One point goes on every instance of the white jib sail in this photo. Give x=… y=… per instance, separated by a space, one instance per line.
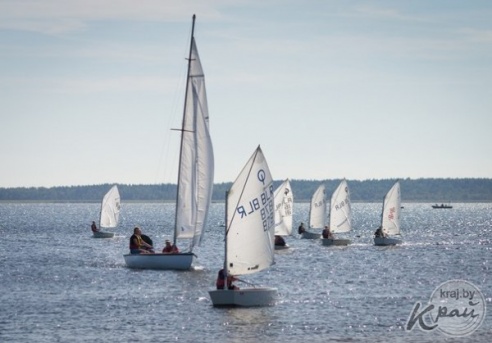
x=284 y=201
x=341 y=209
x=197 y=158
x=110 y=209
x=251 y=219
x=392 y=210
x=317 y=212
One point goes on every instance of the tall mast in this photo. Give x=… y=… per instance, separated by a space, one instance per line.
x=183 y=127
x=225 y=236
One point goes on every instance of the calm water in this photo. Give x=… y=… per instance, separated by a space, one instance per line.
x=58 y=284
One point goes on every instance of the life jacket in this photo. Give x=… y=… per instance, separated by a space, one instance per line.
x=139 y=242
x=220 y=283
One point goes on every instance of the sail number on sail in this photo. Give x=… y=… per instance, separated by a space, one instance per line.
x=341 y=204
x=287 y=206
x=391 y=214
x=262 y=203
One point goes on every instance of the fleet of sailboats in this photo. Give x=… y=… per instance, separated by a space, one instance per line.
x=255 y=213
x=110 y=213
x=249 y=234
x=195 y=175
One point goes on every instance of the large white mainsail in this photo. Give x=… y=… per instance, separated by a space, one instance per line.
x=284 y=201
x=250 y=221
x=110 y=209
x=195 y=176
x=341 y=209
x=196 y=170
x=317 y=212
x=390 y=220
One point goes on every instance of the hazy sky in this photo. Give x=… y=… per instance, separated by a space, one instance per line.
x=90 y=90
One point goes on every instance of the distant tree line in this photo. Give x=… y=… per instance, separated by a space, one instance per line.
x=412 y=190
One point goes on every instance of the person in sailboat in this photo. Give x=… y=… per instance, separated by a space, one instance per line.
x=279 y=241
x=167 y=248
x=326 y=233
x=138 y=245
x=301 y=229
x=379 y=233
x=170 y=249
x=220 y=283
x=94 y=227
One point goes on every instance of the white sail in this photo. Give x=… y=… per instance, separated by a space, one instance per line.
x=317 y=212
x=196 y=171
x=110 y=209
x=250 y=220
x=341 y=209
x=284 y=201
x=390 y=220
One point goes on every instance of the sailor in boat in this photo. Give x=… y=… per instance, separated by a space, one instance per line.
x=379 y=233
x=138 y=245
x=170 y=249
x=220 y=283
x=301 y=229
x=327 y=233
x=279 y=241
x=94 y=227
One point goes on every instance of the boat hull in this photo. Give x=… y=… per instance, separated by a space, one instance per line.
x=102 y=234
x=310 y=235
x=282 y=247
x=381 y=241
x=180 y=261
x=441 y=207
x=337 y=241
x=244 y=297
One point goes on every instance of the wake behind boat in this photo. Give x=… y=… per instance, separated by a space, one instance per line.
x=195 y=175
x=249 y=235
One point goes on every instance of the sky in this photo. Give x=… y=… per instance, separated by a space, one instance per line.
x=91 y=90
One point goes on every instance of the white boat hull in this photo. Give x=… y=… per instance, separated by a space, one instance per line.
x=310 y=235
x=244 y=297
x=180 y=261
x=386 y=241
x=102 y=234
x=337 y=241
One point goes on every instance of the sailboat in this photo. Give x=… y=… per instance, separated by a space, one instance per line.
x=249 y=232
x=284 y=201
x=442 y=206
x=317 y=213
x=195 y=175
x=390 y=217
x=340 y=214
x=110 y=213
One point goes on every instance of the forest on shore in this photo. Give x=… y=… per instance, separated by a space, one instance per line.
x=412 y=190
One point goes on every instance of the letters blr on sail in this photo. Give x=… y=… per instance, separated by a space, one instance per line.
x=264 y=204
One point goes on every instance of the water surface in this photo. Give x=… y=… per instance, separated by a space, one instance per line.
x=58 y=284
